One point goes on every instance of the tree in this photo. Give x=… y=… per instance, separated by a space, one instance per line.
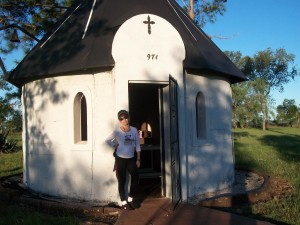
x=10 y=113
x=298 y=117
x=244 y=99
x=271 y=70
x=288 y=113
x=33 y=18
x=9 y=105
x=6 y=146
x=267 y=70
x=244 y=105
x=202 y=11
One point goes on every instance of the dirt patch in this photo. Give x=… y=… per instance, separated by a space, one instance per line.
x=91 y=216
x=273 y=188
x=87 y=213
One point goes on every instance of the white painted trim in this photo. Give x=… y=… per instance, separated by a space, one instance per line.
x=89 y=19
x=59 y=27
x=85 y=145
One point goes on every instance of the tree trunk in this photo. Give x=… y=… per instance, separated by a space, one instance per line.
x=191 y=12
x=265 y=108
x=264 y=117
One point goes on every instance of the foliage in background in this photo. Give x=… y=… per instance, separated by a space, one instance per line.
x=10 y=109
x=288 y=113
x=245 y=106
x=35 y=17
x=203 y=12
x=266 y=70
x=6 y=145
x=270 y=70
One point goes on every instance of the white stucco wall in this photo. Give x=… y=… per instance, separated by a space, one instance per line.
x=210 y=160
x=53 y=163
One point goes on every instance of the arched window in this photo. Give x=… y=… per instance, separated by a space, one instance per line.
x=200 y=116
x=80 y=118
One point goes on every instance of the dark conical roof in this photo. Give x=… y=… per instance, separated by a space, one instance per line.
x=82 y=40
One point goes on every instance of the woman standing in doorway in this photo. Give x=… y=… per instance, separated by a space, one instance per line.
x=125 y=140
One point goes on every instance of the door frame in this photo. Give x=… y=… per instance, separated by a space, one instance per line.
x=159 y=85
x=174 y=144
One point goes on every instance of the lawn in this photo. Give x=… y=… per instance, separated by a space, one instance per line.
x=18 y=215
x=12 y=164
x=275 y=152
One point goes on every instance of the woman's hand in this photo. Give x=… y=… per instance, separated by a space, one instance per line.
x=138 y=163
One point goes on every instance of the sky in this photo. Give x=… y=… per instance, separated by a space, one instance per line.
x=250 y=26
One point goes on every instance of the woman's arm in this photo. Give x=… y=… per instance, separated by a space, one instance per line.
x=138 y=149
x=111 y=140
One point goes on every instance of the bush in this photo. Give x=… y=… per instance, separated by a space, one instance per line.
x=6 y=146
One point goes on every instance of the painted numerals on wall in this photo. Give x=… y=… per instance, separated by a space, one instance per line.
x=152 y=56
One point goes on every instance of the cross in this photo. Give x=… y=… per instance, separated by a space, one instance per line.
x=149 y=22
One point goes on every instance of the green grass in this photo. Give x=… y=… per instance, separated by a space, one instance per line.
x=17 y=137
x=275 y=152
x=16 y=215
x=11 y=164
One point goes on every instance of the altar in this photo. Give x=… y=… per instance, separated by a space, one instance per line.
x=150 y=161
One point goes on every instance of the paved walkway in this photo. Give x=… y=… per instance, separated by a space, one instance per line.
x=157 y=211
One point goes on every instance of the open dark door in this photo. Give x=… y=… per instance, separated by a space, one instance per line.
x=174 y=145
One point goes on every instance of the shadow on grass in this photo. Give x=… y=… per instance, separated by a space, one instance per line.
x=13 y=170
x=243 y=161
x=287 y=145
x=238 y=135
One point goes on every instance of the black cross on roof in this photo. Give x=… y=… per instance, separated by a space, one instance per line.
x=149 y=22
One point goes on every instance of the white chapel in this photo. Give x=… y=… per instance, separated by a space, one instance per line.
x=147 y=57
